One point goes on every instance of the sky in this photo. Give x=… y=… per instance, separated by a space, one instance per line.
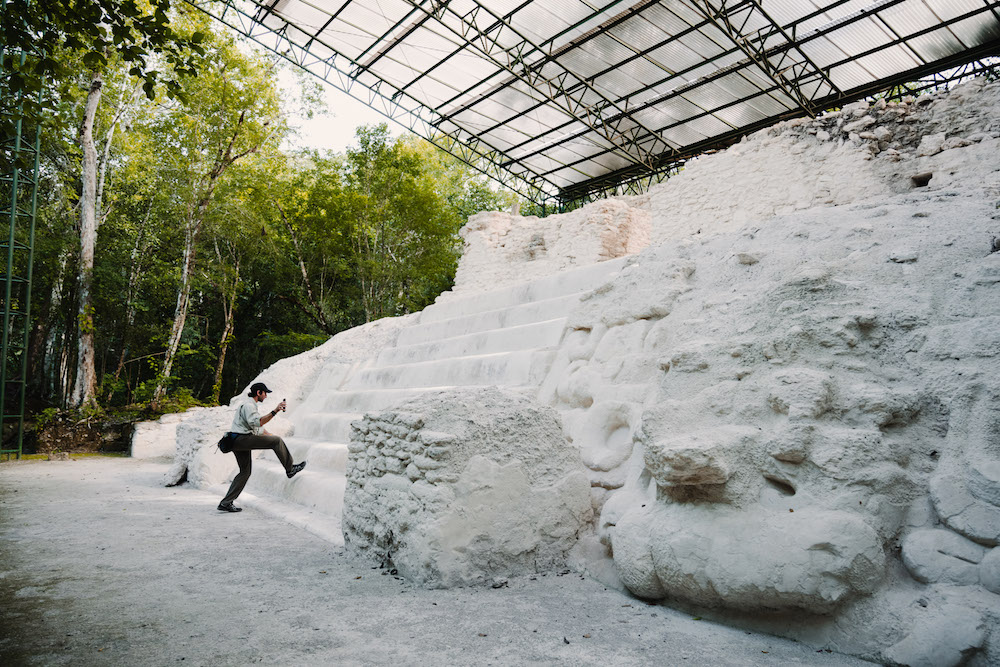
x=333 y=130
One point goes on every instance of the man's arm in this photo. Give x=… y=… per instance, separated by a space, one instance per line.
x=270 y=415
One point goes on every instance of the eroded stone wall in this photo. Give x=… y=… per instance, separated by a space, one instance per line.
x=462 y=486
x=799 y=413
x=502 y=248
x=857 y=153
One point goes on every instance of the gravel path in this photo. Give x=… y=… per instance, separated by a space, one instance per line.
x=101 y=565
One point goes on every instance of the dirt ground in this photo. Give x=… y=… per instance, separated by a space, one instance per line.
x=101 y=565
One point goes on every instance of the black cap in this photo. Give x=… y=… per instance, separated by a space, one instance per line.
x=258 y=386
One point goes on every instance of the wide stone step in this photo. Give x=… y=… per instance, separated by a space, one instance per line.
x=321 y=490
x=529 y=313
x=451 y=305
x=370 y=400
x=321 y=455
x=504 y=369
x=525 y=337
x=323 y=425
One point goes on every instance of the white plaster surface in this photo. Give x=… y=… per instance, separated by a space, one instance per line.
x=504 y=249
x=156 y=439
x=946 y=639
x=779 y=370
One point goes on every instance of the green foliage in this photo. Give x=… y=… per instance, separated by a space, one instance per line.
x=46 y=417
x=274 y=347
x=404 y=236
x=290 y=248
x=35 y=33
x=178 y=400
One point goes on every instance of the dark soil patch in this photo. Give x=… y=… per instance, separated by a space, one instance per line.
x=63 y=435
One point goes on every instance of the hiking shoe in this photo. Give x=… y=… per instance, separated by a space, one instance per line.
x=229 y=507
x=296 y=469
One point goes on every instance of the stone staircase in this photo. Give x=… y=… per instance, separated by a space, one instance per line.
x=504 y=337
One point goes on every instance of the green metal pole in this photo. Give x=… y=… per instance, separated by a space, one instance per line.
x=22 y=310
x=27 y=287
x=9 y=277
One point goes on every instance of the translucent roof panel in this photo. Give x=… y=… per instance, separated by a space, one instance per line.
x=572 y=95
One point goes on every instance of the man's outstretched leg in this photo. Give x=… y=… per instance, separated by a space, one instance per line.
x=275 y=444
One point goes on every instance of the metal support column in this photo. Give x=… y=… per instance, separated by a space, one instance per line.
x=19 y=156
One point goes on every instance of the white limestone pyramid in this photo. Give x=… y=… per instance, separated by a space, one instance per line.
x=788 y=403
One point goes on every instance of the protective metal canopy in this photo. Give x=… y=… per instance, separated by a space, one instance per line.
x=568 y=98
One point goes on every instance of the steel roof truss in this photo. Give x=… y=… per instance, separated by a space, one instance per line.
x=381 y=96
x=562 y=88
x=585 y=122
x=791 y=75
x=718 y=74
x=836 y=97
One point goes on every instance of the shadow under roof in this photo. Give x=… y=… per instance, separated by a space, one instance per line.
x=566 y=98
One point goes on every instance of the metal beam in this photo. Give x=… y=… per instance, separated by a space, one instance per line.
x=632 y=11
x=789 y=74
x=549 y=79
x=390 y=101
x=640 y=54
x=538 y=70
x=389 y=40
x=718 y=74
x=18 y=206
x=581 y=190
x=833 y=99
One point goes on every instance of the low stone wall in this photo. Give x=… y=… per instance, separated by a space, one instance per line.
x=155 y=439
x=464 y=486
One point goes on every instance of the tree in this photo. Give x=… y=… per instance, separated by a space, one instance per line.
x=404 y=235
x=129 y=254
x=464 y=189
x=140 y=33
x=208 y=236
x=232 y=112
x=237 y=239
x=315 y=213
x=93 y=176
x=57 y=39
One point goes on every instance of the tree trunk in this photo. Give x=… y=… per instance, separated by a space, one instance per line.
x=135 y=272
x=196 y=218
x=229 y=291
x=67 y=348
x=55 y=336
x=85 y=387
x=191 y=233
x=227 y=334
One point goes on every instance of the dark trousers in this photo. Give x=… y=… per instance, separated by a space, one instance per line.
x=242 y=447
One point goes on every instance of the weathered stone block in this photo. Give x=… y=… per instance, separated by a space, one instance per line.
x=941 y=556
x=810 y=560
x=507 y=496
